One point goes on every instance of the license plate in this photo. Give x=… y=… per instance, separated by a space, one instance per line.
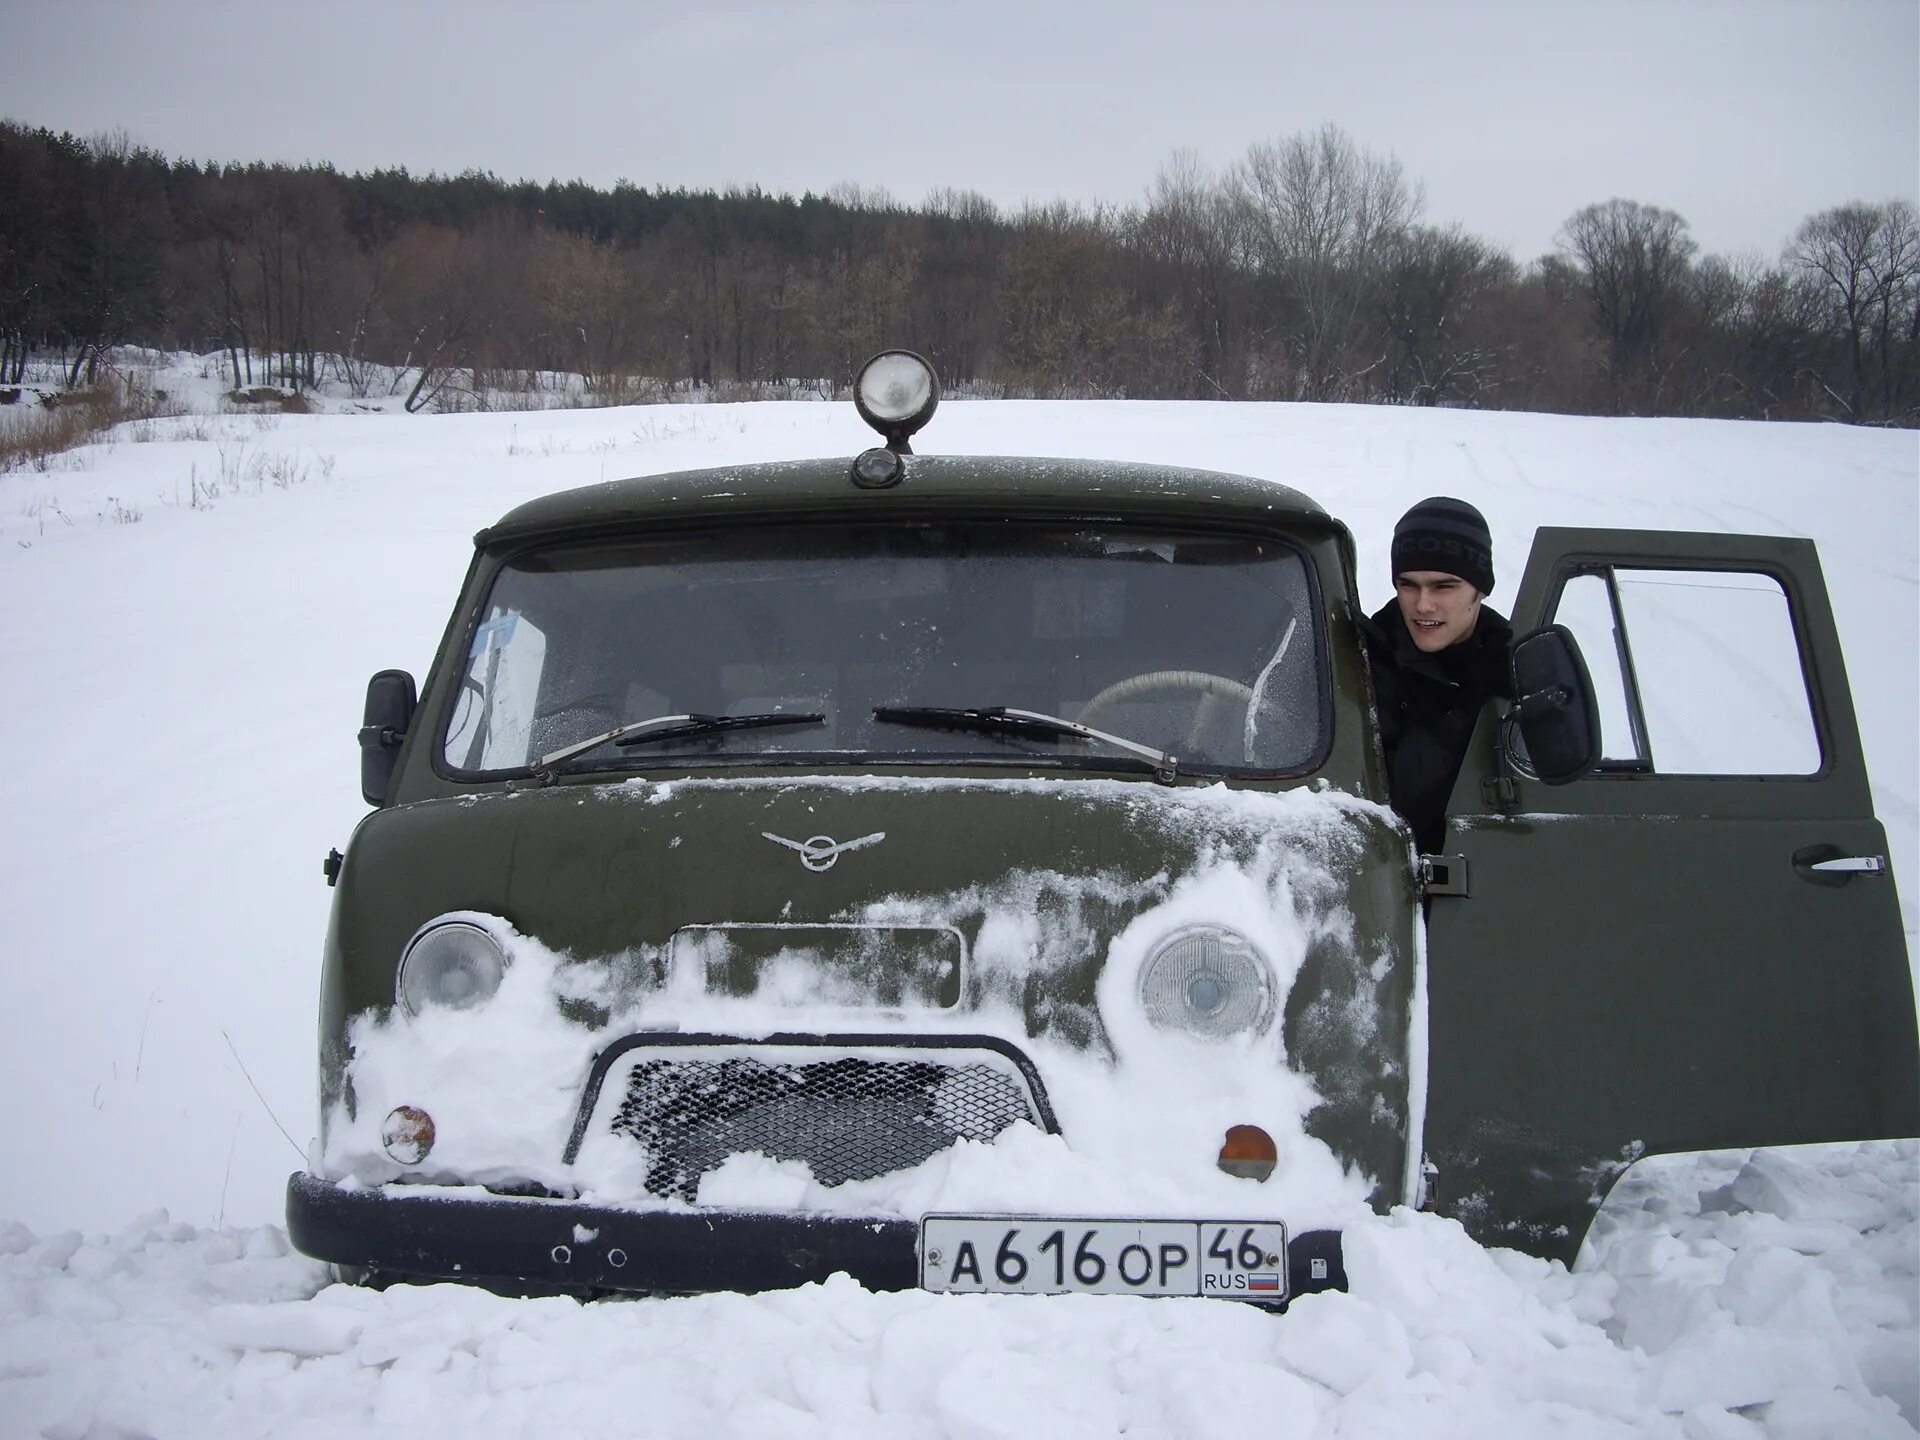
x=1052 y=1255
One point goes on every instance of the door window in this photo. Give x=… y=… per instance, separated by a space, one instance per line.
x=1697 y=672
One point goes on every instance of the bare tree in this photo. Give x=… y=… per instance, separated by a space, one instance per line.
x=366 y=279
x=1323 y=213
x=1438 y=285
x=435 y=305
x=1781 y=323
x=115 y=236
x=875 y=199
x=224 y=223
x=1897 y=326
x=1068 y=323
x=1866 y=260
x=1194 y=228
x=1552 y=355
x=582 y=300
x=951 y=301
x=1634 y=261
x=1762 y=329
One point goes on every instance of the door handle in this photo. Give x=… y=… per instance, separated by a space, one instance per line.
x=1851 y=865
x=1829 y=865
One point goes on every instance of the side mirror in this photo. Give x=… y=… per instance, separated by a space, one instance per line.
x=1554 y=706
x=390 y=705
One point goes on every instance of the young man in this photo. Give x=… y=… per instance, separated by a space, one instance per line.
x=1438 y=654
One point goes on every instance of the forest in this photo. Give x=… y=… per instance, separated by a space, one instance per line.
x=1303 y=271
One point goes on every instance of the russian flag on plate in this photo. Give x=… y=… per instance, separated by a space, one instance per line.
x=1263 y=1280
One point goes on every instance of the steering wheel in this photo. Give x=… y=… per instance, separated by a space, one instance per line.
x=1211 y=689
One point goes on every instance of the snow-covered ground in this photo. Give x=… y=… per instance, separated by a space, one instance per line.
x=1703 y=1319
x=187 y=618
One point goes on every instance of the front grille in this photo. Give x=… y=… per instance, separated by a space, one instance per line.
x=847 y=1118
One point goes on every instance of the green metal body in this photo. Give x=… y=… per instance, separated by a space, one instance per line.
x=1640 y=968
x=1649 y=976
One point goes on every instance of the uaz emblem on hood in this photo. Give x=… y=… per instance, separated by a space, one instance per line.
x=821 y=851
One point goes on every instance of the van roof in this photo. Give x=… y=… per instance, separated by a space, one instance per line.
x=945 y=485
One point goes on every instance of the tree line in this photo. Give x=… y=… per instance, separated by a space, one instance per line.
x=1303 y=271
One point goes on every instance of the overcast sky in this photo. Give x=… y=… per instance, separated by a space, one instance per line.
x=1743 y=115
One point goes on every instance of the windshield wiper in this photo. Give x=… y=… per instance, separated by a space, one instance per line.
x=1001 y=719
x=665 y=727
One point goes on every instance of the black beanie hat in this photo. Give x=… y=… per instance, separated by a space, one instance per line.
x=1447 y=535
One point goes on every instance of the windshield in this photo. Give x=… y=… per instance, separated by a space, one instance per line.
x=1201 y=645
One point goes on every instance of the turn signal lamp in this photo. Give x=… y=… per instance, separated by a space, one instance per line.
x=1249 y=1152
x=407 y=1134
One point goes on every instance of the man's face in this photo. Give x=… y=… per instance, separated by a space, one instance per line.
x=1440 y=609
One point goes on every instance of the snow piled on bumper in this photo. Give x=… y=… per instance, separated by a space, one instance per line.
x=1697 y=1315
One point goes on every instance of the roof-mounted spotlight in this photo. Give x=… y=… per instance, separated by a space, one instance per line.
x=896 y=394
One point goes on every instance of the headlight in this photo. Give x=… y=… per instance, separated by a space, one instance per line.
x=1207 y=980
x=452 y=964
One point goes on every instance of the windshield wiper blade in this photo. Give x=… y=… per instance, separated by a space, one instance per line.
x=714 y=724
x=666 y=727
x=1003 y=719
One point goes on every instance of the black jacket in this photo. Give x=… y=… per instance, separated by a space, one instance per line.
x=1428 y=707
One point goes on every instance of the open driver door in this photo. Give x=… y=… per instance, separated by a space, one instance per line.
x=1697 y=945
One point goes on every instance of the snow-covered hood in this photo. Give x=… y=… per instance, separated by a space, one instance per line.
x=1025 y=884
x=1020 y=909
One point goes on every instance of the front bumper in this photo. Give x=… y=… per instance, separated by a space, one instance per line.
x=513 y=1242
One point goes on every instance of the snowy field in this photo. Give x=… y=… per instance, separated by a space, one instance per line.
x=188 y=614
